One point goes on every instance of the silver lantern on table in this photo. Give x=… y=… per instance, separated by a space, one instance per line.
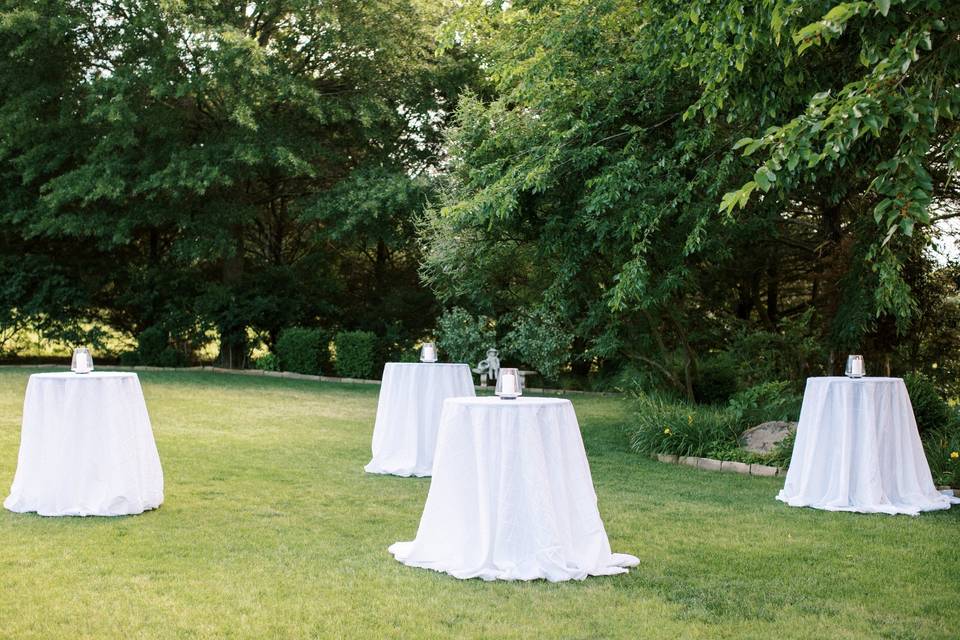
x=82 y=361
x=428 y=352
x=508 y=384
x=855 y=367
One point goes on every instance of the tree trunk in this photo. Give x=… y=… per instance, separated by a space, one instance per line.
x=233 y=339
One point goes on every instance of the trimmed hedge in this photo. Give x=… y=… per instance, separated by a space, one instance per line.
x=303 y=350
x=154 y=350
x=356 y=352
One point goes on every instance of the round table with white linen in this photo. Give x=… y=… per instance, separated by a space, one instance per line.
x=511 y=496
x=858 y=449
x=86 y=447
x=408 y=414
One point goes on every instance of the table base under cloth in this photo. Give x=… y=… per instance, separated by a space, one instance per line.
x=512 y=497
x=408 y=414
x=86 y=448
x=858 y=449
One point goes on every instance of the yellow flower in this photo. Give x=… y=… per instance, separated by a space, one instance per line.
x=954 y=455
x=689 y=418
x=667 y=431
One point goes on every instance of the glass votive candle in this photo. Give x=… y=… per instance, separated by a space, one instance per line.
x=508 y=384
x=428 y=352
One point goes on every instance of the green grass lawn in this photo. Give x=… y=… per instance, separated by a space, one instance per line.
x=271 y=529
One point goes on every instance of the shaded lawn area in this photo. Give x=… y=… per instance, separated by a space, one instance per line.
x=271 y=528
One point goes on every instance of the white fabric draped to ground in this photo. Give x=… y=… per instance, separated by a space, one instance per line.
x=858 y=449
x=86 y=447
x=512 y=497
x=408 y=414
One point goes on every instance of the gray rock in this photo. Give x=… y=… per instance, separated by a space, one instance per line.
x=691 y=461
x=663 y=457
x=709 y=464
x=762 y=470
x=734 y=467
x=763 y=438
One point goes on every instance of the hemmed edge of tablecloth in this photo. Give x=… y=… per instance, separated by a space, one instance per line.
x=376 y=469
x=620 y=564
x=892 y=510
x=13 y=507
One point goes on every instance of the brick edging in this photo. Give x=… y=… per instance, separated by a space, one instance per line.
x=730 y=466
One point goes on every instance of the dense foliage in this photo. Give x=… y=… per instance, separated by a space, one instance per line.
x=463 y=338
x=694 y=198
x=303 y=350
x=356 y=354
x=658 y=182
x=217 y=167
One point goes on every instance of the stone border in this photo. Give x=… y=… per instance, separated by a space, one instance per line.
x=729 y=466
x=296 y=376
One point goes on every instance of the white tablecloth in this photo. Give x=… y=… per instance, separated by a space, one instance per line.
x=511 y=496
x=86 y=447
x=408 y=414
x=858 y=449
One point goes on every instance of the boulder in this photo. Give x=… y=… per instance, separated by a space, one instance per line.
x=763 y=438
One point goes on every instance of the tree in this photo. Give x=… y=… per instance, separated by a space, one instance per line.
x=587 y=188
x=197 y=153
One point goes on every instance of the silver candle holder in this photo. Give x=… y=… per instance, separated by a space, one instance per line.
x=82 y=361
x=508 y=384
x=855 y=367
x=428 y=352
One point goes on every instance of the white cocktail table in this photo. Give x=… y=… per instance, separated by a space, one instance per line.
x=408 y=414
x=858 y=449
x=86 y=447
x=511 y=496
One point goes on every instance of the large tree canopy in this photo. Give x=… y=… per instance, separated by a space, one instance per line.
x=604 y=192
x=673 y=188
x=225 y=164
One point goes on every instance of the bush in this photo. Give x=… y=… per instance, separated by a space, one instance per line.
x=356 y=351
x=303 y=350
x=766 y=402
x=940 y=445
x=154 y=350
x=538 y=340
x=793 y=352
x=464 y=338
x=931 y=411
x=716 y=381
x=267 y=362
x=682 y=429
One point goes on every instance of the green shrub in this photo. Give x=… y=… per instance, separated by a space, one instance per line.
x=303 y=350
x=793 y=352
x=267 y=362
x=356 y=351
x=765 y=402
x=408 y=355
x=154 y=349
x=716 y=381
x=931 y=411
x=676 y=428
x=731 y=450
x=464 y=338
x=539 y=340
x=940 y=445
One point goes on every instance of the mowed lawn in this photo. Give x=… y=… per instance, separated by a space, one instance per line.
x=271 y=529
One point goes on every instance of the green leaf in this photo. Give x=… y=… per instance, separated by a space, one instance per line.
x=883 y=6
x=906 y=225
